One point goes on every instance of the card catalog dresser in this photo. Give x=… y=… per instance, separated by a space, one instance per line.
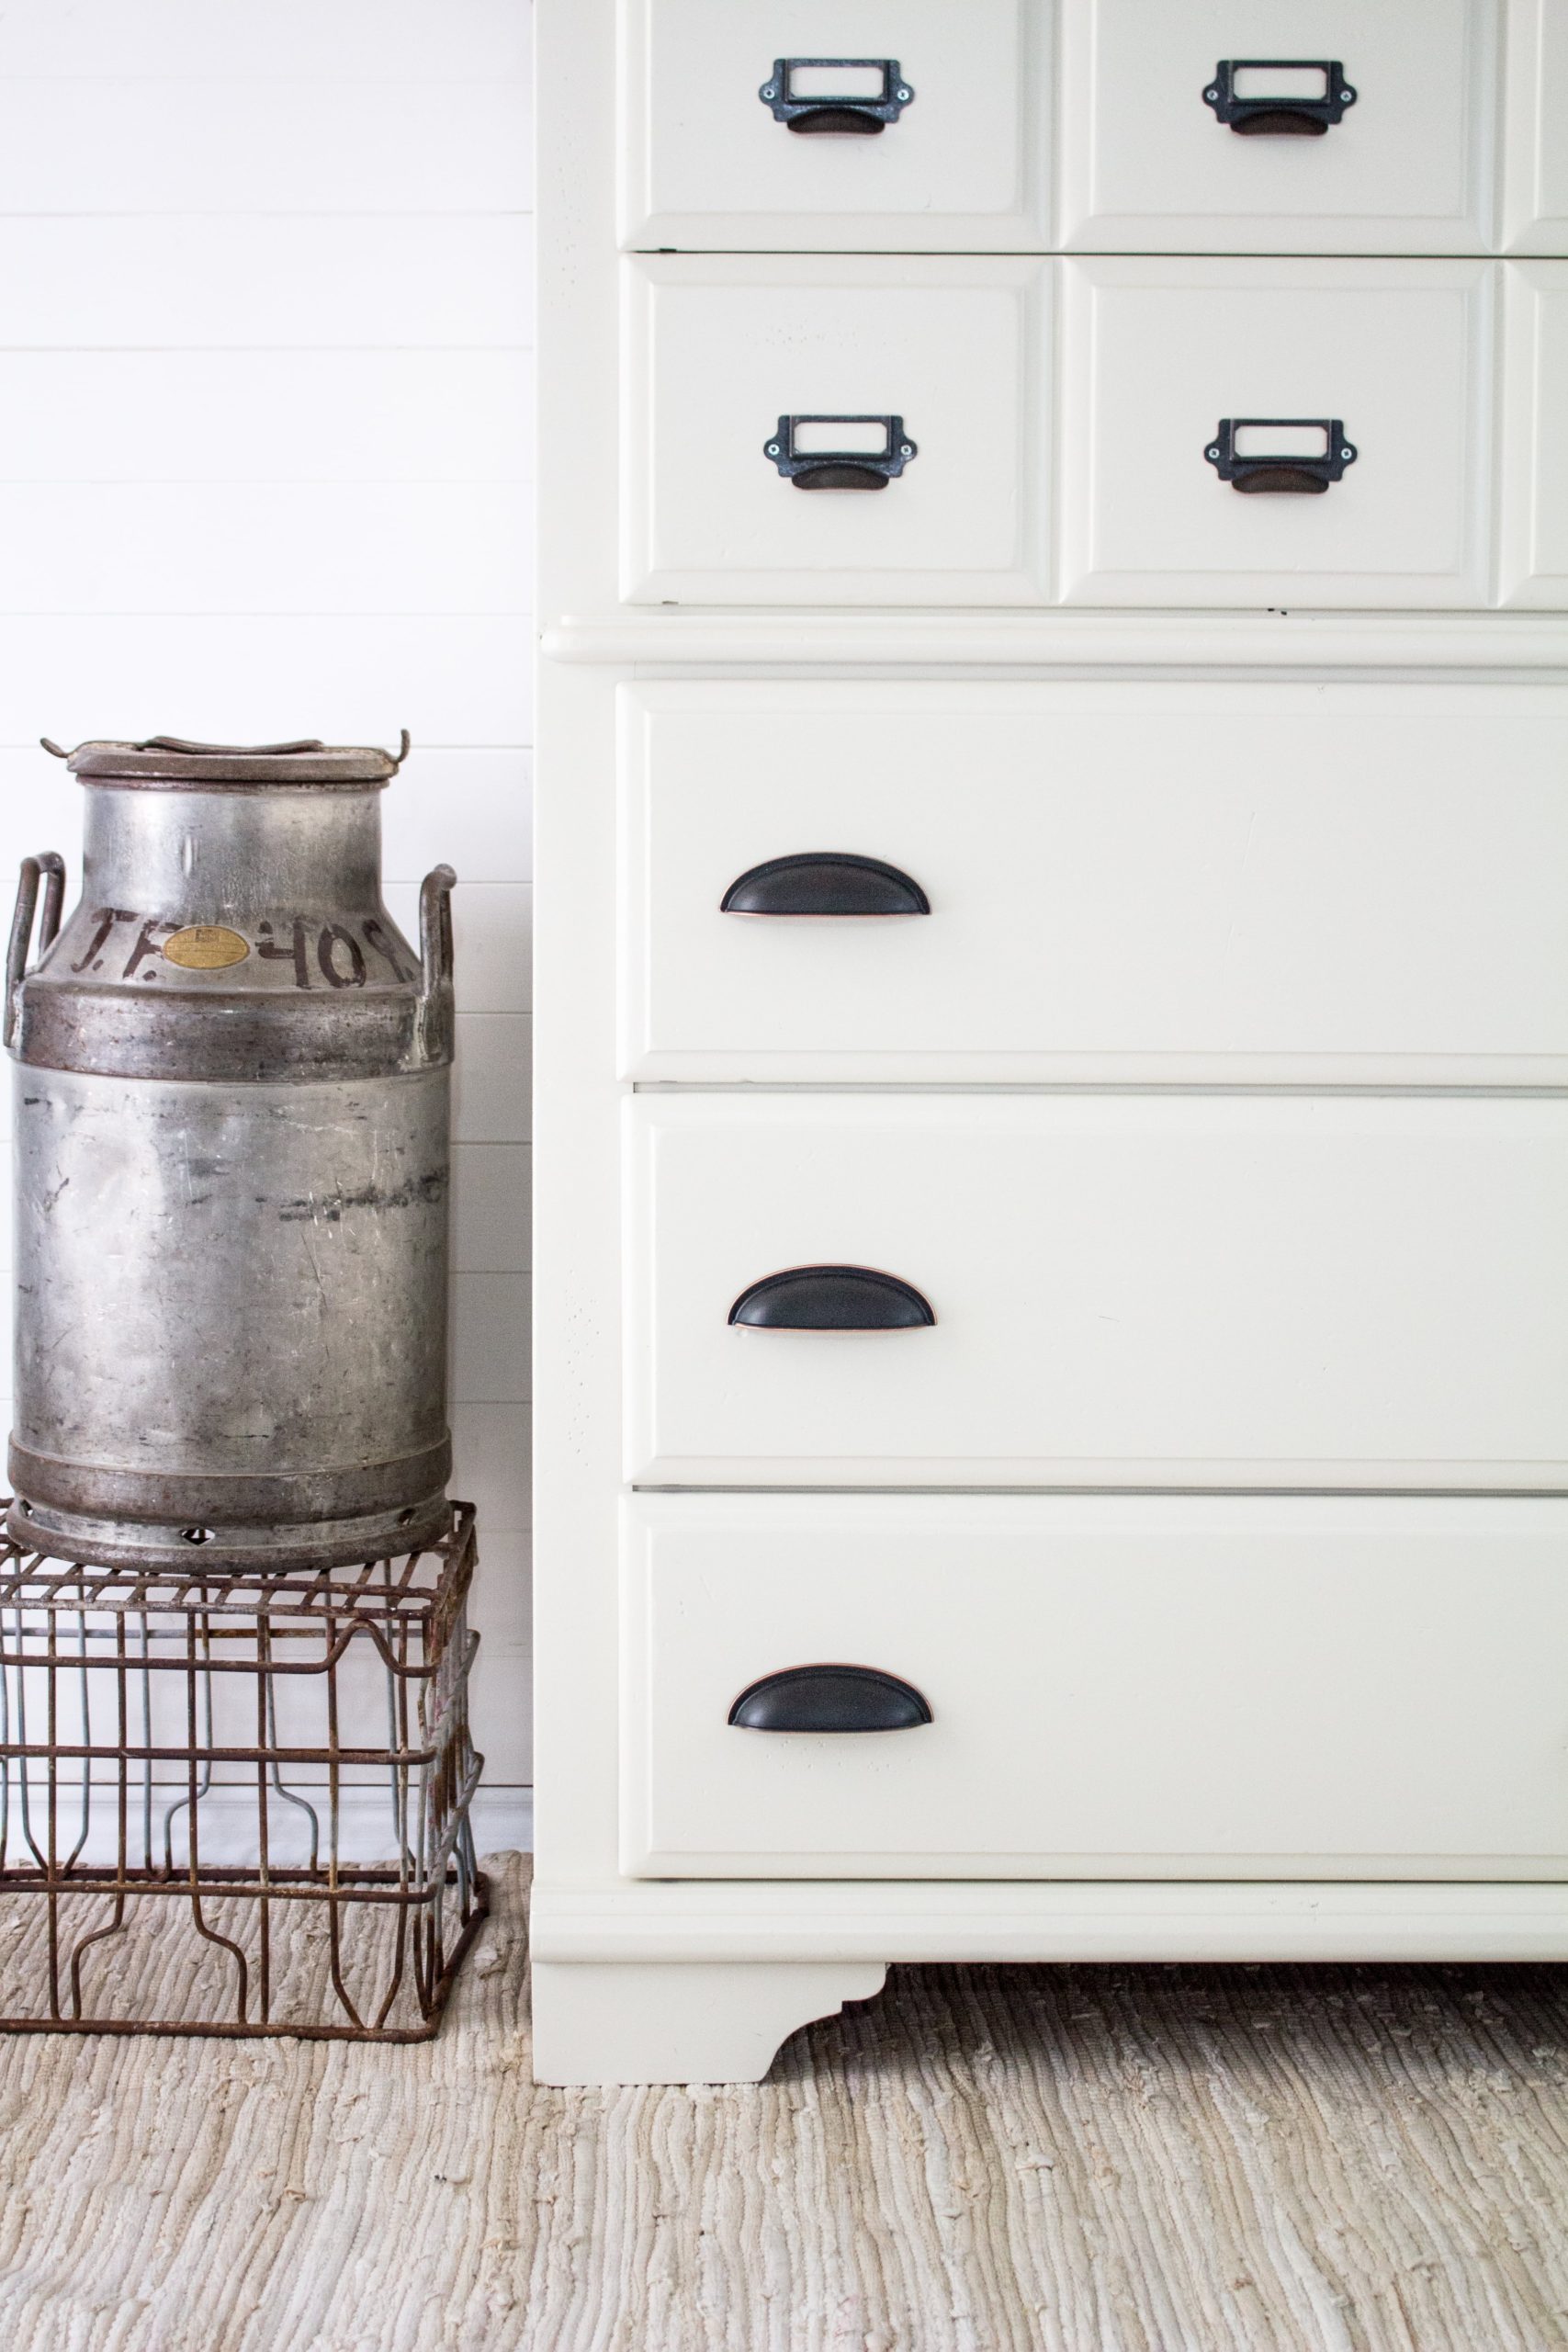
x=1053 y=997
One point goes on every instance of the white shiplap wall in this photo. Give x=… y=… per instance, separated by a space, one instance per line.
x=265 y=394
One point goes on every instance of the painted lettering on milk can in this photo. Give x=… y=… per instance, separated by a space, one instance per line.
x=232 y=1168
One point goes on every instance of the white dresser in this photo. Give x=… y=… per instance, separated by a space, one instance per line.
x=1052 y=998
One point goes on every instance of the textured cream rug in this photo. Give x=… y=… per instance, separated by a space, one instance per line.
x=1075 y=2160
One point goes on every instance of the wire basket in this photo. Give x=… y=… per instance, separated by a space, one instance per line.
x=237 y=1805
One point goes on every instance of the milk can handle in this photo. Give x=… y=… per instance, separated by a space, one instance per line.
x=50 y=865
x=436 y=961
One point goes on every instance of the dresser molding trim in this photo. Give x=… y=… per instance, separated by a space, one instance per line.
x=698 y=1981
x=1484 y=643
x=1023 y=1920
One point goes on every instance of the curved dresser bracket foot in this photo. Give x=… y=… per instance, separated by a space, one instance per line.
x=681 y=2021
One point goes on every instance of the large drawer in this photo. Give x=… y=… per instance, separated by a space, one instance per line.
x=846 y=430
x=1132 y=1290
x=963 y=106
x=1241 y=883
x=1118 y=1688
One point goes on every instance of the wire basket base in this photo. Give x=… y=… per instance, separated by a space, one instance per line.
x=235 y=1806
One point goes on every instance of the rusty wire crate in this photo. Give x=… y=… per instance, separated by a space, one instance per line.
x=233 y=1804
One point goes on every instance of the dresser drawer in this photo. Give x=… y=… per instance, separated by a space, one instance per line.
x=791 y=129
x=1223 y=1688
x=1537 y=108
x=1379 y=139
x=1097 y=1289
x=1329 y=885
x=707 y=160
x=1535 y=444
x=852 y=430
x=743 y=371
x=1381 y=372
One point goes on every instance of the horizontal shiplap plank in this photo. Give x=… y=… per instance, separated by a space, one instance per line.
x=472 y=810
x=490 y=1205
x=490 y=1343
x=235 y=145
x=490 y=1100
x=450 y=680
x=113 y=282
x=373 y=41
x=40 y=808
x=492 y=1081
x=491 y=1216
x=272 y=416
x=490 y=1339
x=491 y=1467
x=357 y=546
x=468 y=810
x=492 y=939
x=490 y=1201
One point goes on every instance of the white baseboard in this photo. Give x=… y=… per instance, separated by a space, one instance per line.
x=503 y=1820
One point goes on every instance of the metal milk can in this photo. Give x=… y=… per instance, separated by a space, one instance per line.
x=231 y=1168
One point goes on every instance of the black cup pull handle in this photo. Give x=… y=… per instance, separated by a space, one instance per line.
x=830 y=111
x=830 y=1698
x=1279 y=115
x=829 y=469
x=831 y=1298
x=824 y=882
x=1306 y=474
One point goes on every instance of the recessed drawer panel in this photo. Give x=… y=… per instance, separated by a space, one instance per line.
x=1089 y=1290
x=1282 y=433
x=807 y=124
x=1276 y=126
x=1223 y=1688
x=841 y=431
x=1242 y=883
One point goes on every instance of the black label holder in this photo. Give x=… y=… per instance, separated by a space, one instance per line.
x=861 y=117
x=839 y=468
x=1279 y=115
x=1281 y=472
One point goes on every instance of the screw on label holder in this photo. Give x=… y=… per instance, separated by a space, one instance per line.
x=1279 y=114
x=1282 y=470
x=826 y=110
x=849 y=468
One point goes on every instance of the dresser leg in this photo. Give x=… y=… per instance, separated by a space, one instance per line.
x=681 y=2021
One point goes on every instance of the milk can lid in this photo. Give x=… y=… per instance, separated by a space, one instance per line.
x=171 y=759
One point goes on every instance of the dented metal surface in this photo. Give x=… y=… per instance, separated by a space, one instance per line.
x=232 y=1169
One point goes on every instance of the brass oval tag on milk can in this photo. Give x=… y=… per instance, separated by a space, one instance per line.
x=206 y=947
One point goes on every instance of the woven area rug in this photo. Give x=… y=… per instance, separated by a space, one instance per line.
x=1055 y=2160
